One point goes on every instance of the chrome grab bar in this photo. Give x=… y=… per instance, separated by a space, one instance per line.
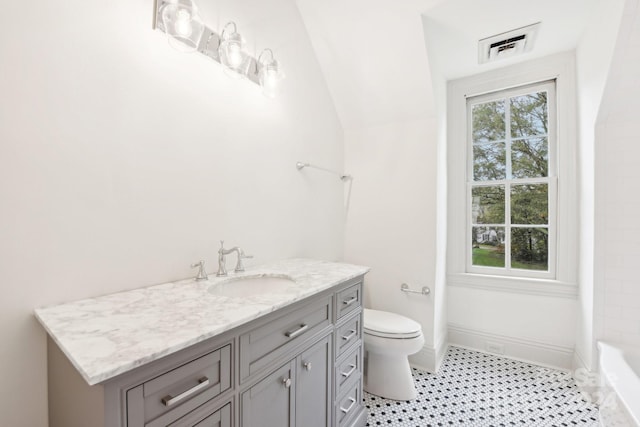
x=424 y=291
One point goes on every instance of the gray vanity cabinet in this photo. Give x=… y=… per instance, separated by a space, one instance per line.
x=298 y=366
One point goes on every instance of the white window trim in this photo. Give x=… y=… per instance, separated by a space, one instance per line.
x=550 y=180
x=560 y=68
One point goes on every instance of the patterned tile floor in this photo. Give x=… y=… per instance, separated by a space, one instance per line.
x=477 y=389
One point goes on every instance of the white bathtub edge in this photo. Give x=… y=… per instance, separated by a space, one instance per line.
x=621 y=378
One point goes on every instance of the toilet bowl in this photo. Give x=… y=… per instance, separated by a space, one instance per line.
x=389 y=339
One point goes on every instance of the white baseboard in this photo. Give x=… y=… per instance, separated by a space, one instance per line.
x=578 y=362
x=539 y=353
x=430 y=358
x=587 y=381
x=441 y=350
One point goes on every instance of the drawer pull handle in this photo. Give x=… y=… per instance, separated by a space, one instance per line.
x=293 y=334
x=351 y=335
x=347 y=303
x=286 y=382
x=348 y=374
x=172 y=400
x=307 y=366
x=346 y=410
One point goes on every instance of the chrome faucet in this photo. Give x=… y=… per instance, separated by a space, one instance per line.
x=202 y=273
x=222 y=253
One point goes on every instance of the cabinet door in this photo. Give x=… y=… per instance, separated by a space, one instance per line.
x=313 y=391
x=270 y=402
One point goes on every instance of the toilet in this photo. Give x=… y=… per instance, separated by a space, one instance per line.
x=389 y=339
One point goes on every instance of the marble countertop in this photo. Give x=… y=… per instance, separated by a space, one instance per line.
x=109 y=335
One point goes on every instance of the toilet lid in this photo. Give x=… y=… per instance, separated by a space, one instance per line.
x=390 y=325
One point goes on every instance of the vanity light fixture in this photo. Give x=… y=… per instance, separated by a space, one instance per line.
x=270 y=73
x=182 y=24
x=180 y=20
x=231 y=48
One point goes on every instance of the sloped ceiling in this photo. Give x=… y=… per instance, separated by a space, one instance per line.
x=374 y=56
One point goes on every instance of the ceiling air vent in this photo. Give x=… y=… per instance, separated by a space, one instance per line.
x=506 y=45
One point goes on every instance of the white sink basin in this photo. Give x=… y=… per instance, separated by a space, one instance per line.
x=247 y=286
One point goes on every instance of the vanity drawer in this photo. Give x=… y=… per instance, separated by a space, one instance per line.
x=348 y=404
x=204 y=417
x=274 y=339
x=348 y=300
x=160 y=400
x=348 y=334
x=348 y=369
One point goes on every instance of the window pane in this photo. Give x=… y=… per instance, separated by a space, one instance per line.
x=487 y=205
x=529 y=248
x=488 y=121
x=530 y=204
x=529 y=158
x=529 y=115
x=488 y=246
x=489 y=161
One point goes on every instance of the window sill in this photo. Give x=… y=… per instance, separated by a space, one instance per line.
x=518 y=285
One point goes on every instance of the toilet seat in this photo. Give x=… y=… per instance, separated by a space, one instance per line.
x=390 y=325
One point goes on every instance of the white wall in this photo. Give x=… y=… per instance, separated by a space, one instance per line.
x=433 y=38
x=391 y=220
x=617 y=238
x=593 y=61
x=530 y=327
x=122 y=161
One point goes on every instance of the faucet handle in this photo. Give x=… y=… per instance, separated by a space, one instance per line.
x=202 y=274
x=241 y=256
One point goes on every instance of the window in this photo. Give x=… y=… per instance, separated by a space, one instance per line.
x=511 y=182
x=505 y=177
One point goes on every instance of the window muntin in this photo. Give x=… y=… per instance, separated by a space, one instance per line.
x=512 y=182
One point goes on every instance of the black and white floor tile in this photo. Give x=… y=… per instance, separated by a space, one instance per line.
x=478 y=389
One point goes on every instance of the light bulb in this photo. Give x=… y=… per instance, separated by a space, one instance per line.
x=183 y=23
x=271 y=78
x=235 y=55
x=270 y=74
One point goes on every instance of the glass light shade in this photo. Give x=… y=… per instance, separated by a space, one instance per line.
x=182 y=24
x=231 y=50
x=270 y=76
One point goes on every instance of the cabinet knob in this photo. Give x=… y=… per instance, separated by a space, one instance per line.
x=307 y=366
x=286 y=382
